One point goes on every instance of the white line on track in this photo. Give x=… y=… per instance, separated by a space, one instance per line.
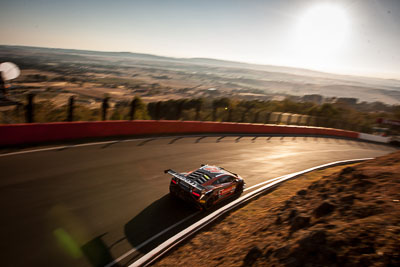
x=266 y=182
x=150 y=239
x=131 y=140
x=68 y=146
x=94 y=144
x=30 y=151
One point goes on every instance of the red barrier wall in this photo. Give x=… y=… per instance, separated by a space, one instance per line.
x=43 y=132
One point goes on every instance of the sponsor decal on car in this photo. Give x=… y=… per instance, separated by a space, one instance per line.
x=230 y=189
x=212 y=169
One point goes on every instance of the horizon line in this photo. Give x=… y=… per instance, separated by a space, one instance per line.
x=359 y=75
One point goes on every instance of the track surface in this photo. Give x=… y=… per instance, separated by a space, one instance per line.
x=109 y=198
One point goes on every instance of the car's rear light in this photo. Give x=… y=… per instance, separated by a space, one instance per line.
x=175 y=182
x=196 y=194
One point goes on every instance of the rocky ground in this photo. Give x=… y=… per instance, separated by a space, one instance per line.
x=342 y=216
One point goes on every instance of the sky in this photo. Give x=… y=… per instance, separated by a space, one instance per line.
x=360 y=37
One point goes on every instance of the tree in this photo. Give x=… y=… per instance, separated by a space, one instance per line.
x=140 y=109
x=219 y=103
x=198 y=103
x=180 y=104
x=247 y=105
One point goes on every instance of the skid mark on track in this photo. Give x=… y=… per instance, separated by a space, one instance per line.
x=220 y=138
x=174 y=140
x=110 y=144
x=199 y=139
x=145 y=142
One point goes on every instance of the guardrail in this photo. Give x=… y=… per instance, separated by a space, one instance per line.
x=17 y=134
x=179 y=237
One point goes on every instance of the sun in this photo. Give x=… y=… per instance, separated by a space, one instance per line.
x=321 y=32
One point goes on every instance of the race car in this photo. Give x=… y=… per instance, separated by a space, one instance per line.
x=205 y=186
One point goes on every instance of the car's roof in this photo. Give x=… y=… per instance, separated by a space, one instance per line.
x=207 y=173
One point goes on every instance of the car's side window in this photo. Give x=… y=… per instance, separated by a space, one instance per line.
x=217 y=181
x=220 y=180
x=230 y=179
x=224 y=179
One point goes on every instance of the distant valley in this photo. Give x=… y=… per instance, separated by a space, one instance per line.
x=59 y=73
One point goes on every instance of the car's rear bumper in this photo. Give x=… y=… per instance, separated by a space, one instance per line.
x=177 y=191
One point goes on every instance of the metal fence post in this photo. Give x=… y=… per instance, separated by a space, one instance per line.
x=133 y=109
x=29 y=113
x=71 y=102
x=104 y=108
x=158 y=110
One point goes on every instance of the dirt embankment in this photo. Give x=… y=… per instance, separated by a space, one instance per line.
x=343 y=216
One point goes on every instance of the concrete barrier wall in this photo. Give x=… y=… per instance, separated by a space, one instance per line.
x=304 y=119
x=43 y=132
x=374 y=138
x=274 y=117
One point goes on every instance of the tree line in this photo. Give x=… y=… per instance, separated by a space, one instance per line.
x=201 y=109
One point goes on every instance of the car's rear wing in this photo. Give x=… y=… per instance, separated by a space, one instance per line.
x=182 y=177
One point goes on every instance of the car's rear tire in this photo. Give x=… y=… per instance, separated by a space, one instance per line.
x=209 y=203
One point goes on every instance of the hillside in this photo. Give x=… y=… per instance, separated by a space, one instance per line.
x=344 y=216
x=167 y=77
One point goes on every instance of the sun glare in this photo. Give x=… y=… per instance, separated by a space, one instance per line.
x=321 y=32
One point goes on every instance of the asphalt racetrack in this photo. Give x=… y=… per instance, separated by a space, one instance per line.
x=95 y=204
